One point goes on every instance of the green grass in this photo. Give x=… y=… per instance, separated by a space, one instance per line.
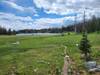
x=40 y=52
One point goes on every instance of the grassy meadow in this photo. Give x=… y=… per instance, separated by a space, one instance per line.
x=36 y=54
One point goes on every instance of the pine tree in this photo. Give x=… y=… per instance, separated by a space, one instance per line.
x=85 y=47
x=14 y=32
x=9 y=32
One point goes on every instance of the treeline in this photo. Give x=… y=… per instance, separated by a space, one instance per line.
x=92 y=25
x=49 y=30
x=4 y=31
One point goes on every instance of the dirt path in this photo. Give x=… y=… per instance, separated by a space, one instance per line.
x=65 y=66
x=66 y=63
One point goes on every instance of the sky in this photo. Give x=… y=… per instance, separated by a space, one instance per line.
x=39 y=14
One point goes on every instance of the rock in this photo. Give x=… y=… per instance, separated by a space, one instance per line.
x=98 y=68
x=92 y=70
x=90 y=65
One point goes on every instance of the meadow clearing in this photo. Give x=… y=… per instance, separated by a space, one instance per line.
x=34 y=55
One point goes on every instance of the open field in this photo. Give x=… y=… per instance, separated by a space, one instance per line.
x=39 y=53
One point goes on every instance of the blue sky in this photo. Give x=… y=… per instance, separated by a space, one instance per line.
x=38 y=14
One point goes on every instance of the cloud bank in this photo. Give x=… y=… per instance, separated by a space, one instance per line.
x=16 y=22
x=63 y=8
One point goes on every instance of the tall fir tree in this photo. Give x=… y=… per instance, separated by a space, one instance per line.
x=85 y=47
x=9 y=32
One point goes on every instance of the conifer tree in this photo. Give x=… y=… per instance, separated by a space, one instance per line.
x=85 y=47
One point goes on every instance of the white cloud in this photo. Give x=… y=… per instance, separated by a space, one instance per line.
x=63 y=7
x=13 y=17
x=19 y=8
x=14 y=5
x=60 y=7
x=16 y=22
x=53 y=21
